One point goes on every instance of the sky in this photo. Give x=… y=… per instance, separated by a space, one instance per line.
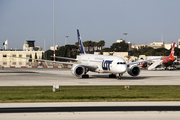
x=145 y=21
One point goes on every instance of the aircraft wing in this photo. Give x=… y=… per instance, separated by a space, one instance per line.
x=46 y=60
x=92 y=67
x=141 y=61
x=66 y=58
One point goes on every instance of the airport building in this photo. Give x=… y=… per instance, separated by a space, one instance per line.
x=7 y=57
x=168 y=46
x=155 y=45
x=56 y=47
x=7 y=60
x=138 y=46
x=178 y=43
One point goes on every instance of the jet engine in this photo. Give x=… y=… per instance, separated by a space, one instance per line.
x=133 y=70
x=77 y=70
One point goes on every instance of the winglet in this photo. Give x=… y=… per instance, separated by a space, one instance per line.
x=81 y=47
x=172 y=50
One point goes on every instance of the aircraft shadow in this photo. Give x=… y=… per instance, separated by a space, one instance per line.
x=123 y=77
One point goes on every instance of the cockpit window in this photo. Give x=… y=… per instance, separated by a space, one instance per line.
x=121 y=62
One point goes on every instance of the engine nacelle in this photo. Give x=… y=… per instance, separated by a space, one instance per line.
x=133 y=70
x=77 y=70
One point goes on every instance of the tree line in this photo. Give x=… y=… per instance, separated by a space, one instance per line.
x=72 y=50
x=91 y=47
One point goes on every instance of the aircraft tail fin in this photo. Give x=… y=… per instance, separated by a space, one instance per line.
x=172 y=50
x=81 y=47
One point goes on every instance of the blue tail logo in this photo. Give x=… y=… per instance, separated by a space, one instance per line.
x=81 y=47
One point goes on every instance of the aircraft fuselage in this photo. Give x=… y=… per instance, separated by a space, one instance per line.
x=168 y=60
x=106 y=64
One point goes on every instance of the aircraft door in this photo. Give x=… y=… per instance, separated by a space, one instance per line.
x=111 y=65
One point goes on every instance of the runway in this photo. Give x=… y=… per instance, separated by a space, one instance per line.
x=63 y=77
x=94 y=110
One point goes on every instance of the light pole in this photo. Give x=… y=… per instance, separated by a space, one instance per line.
x=125 y=35
x=66 y=42
x=54 y=28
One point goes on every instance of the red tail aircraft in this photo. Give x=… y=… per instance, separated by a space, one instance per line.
x=168 y=60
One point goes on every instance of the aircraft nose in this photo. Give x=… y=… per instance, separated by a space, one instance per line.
x=123 y=68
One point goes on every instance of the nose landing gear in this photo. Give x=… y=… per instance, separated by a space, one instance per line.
x=114 y=76
x=120 y=76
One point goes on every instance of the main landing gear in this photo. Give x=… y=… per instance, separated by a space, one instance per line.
x=112 y=75
x=85 y=75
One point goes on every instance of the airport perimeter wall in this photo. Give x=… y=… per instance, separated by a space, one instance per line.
x=35 y=67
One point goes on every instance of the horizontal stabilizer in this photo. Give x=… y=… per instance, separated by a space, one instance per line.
x=65 y=58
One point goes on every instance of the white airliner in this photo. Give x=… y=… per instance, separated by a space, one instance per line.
x=98 y=63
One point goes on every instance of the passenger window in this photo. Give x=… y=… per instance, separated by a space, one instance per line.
x=4 y=55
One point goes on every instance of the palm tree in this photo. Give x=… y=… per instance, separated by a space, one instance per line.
x=85 y=44
x=77 y=44
x=101 y=44
x=89 y=45
x=93 y=44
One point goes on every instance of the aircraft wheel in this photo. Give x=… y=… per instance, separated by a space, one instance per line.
x=85 y=76
x=119 y=77
x=110 y=76
x=114 y=76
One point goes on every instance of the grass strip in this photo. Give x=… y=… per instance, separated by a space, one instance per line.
x=89 y=93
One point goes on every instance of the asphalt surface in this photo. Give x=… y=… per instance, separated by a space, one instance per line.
x=105 y=110
x=89 y=109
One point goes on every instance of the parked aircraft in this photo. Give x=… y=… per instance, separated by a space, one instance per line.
x=144 y=65
x=98 y=63
x=165 y=60
x=168 y=60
